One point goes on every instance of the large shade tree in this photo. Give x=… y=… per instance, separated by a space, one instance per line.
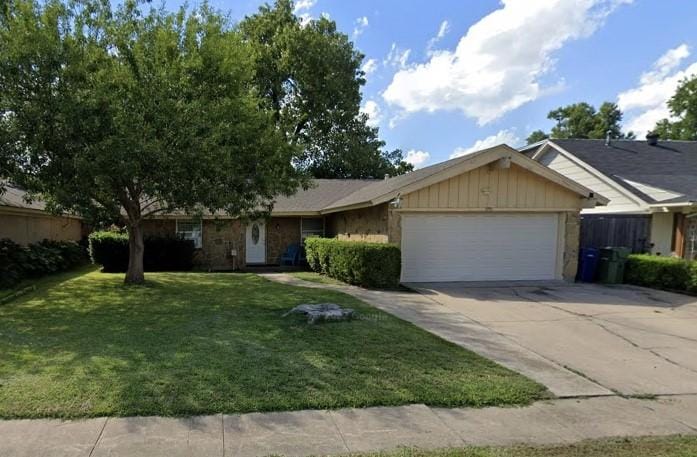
x=134 y=110
x=683 y=110
x=582 y=120
x=309 y=75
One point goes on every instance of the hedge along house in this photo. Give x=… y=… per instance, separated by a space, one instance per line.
x=491 y=215
x=28 y=222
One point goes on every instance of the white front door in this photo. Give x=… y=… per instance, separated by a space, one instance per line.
x=256 y=242
x=479 y=247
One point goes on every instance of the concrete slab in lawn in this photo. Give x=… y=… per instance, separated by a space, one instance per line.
x=371 y=429
x=159 y=436
x=289 y=434
x=49 y=437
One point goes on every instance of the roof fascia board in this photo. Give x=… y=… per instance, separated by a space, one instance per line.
x=491 y=156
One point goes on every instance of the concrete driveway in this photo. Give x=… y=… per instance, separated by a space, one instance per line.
x=620 y=339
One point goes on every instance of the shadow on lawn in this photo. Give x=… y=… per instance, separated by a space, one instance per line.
x=197 y=343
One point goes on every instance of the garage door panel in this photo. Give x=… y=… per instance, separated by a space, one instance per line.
x=479 y=247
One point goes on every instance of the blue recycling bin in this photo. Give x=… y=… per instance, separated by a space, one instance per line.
x=588 y=264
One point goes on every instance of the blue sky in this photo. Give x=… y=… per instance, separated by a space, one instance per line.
x=447 y=76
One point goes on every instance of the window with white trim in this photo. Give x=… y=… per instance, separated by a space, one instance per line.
x=190 y=229
x=311 y=226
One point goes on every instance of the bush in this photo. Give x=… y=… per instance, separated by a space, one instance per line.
x=37 y=259
x=110 y=250
x=365 y=264
x=661 y=272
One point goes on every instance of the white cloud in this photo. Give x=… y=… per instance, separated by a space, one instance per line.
x=301 y=6
x=645 y=104
x=497 y=65
x=397 y=57
x=372 y=109
x=508 y=137
x=442 y=31
x=302 y=10
x=359 y=26
x=369 y=66
x=417 y=158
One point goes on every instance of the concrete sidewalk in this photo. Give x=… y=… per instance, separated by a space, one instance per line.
x=349 y=430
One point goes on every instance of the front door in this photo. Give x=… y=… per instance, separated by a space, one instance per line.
x=256 y=242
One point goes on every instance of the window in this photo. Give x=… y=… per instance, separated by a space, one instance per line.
x=312 y=226
x=190 y=229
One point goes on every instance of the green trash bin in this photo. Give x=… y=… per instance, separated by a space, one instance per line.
x=611 y=265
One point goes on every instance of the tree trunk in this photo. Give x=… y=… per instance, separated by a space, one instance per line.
x=135 y=273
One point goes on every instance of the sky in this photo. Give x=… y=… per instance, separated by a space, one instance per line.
x=447 y=77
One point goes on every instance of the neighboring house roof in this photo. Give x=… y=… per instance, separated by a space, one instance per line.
x=14 y=197
x=664 y=173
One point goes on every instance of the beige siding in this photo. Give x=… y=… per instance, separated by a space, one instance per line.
x=618 y=201
x=26 y=229
x=488 y=187
x=366 y=224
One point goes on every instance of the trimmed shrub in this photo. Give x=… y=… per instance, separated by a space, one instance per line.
x=364 y=264
x=110 y=250
x=661 y=272
x=37 y=259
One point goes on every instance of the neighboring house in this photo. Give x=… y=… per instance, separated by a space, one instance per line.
x=26 y=223
x=491 y=215
x=652 y=187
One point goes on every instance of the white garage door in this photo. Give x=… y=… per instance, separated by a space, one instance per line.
x=479 y=247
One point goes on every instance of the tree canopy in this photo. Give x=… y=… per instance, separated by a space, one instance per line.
x=126 y=111
x=582 y=120
x=310 y=78
x=683 y=110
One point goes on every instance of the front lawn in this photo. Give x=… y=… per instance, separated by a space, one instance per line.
x=199 y=343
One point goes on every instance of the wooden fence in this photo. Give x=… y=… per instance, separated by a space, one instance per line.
x=631 y=231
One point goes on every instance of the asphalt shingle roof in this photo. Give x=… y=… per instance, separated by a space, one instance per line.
x=669 y=165
x=15 y=197
x=321 y=194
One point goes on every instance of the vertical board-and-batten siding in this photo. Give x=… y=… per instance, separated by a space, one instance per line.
x=618 y=202
x=486 y=187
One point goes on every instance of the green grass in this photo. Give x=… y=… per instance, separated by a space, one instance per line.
x=674 y=446
x=43 y=282
x=311 y=276
x=199 y=343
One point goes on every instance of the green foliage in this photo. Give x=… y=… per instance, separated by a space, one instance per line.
x=110 y=250
x=135 y=110
x=537 y=135
x=37 y=259
x=581 y=120
x=210 y=343
x=365 y=264
x=683 y=109
x=661 y=272
x=309 y=76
